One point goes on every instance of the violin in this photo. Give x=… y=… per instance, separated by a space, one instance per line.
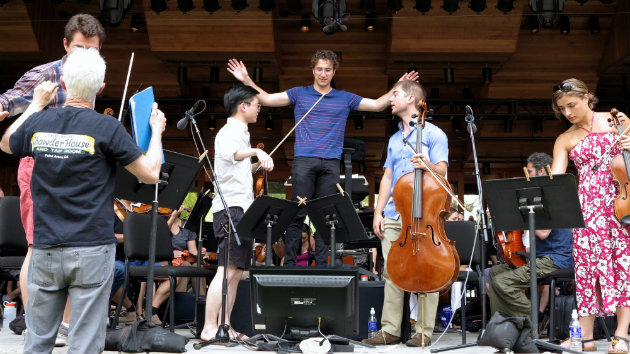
x=147 y=208
x=120 y=209
x=261 y=250
x=261 y=182
x=422 y=259
x=620 y=170
x=510 y=248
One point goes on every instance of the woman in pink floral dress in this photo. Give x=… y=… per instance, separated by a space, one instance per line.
x=600 y=251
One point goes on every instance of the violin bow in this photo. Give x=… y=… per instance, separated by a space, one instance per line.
x=122 y=103
x=292 y=129
x=447 y=189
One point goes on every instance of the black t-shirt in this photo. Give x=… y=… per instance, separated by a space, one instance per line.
x=75 y=151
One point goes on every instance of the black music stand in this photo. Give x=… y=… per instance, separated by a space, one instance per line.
x=177 y=174
x=336 y=220
x=545 y=202
x=266 y=220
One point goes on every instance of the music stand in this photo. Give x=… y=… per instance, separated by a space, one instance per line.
x=335 y=219
x=177 y=174
x=266 y=220
x=544 y=202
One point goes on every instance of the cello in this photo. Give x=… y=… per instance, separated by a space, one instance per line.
x=422 y=259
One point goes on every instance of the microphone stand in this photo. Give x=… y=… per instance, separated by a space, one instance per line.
x=472 y=129
x=223 y=335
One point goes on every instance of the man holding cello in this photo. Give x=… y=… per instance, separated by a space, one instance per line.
x=387 y=222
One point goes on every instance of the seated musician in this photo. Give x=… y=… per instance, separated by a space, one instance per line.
x=553 y=251
x=184 y=244
x=404 y=103
x=306 y=256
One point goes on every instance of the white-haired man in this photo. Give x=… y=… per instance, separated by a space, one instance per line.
x=75 y=151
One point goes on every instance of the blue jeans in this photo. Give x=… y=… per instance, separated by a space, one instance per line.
x=85 y=275
x=312 y=178
x=119 y=277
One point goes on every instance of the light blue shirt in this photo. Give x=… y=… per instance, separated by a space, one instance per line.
x=434 y=144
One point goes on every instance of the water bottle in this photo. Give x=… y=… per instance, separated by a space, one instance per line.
x=372 y=324
x=575 y=333
x=10 y=311
x=447 y=313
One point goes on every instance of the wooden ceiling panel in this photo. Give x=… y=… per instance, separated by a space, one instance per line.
x=226 y=30
x=16 y=30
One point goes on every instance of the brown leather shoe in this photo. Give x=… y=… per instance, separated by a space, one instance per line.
x=381 y=338
x=416 y=341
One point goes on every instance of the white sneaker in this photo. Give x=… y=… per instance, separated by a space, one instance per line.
x=62 y=336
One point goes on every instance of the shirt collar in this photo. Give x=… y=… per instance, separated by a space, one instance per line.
x=238 y=123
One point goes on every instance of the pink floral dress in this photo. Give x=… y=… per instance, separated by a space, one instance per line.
x=600 y=250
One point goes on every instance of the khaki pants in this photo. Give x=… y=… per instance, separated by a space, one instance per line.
x=393 y=302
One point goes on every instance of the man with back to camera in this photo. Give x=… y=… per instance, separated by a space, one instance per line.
x=75 y=151
x=318 y=139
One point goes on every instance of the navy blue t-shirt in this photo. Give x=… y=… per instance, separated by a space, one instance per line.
x=75 y=151
x=558 y=246
x=180 y=239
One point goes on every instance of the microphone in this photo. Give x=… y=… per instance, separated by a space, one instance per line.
x=470 y=118
x=183 y=123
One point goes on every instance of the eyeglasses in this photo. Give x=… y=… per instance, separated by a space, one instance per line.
x=564 y=87
x=257 y=106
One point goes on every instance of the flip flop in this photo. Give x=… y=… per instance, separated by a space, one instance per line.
x=565 y=344
x=238 y=336
x=616 y=340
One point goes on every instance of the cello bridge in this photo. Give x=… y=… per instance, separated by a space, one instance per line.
x=415 y=242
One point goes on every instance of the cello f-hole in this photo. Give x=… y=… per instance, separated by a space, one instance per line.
x=433 y=239
x=402 y=244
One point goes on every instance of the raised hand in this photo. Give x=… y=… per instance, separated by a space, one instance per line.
x=238 y=70
x=410 y=76
x=44 y=93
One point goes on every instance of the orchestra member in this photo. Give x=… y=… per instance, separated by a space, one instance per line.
x=553 y=251
x=387 y=224
x=318 y=139
x=75 y=151
x=232 y=153
x=602 y=248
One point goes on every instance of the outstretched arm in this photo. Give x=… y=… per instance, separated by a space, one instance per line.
x=379 y=104
x=239 y=71
x=42 y=95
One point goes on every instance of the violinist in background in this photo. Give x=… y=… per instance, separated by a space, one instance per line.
x=308 y=247
x=184 y=244
x=553 y=251
x=318 y=139
x=387 y=224
x=232 y=153
x=601 y=250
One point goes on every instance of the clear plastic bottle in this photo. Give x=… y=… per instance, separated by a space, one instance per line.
x=372 y=324
x=10 y=311
x=575 y=333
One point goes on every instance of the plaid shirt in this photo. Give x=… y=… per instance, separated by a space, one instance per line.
x=17 y=99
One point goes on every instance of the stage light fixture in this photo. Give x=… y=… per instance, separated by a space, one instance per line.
x=257 y=74
x=370 y=22
x=358 y=122
x=565 y=24
x=394 y=5
x=185 y=5
x=182 y=74
x=450 y=6
x=294 y=7
x=212 y=123
x=136 y=23
x=547 y=10
x=486 y=168
x=366 y=6
x=486 y=75
x=269 y=123
x=508 y=124
x=534 y=25
x=266 y=5
x=214 y=74
x=449 y=75
x=113 y=11
x=239 y=5
x=158 y=5
x=211 y=6
x=505 y=5
x=477 y=5
x=305 y=23
x=423 y=5
x=593 y=24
